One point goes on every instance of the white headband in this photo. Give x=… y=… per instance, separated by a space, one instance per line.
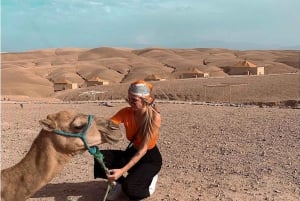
x=139 y=90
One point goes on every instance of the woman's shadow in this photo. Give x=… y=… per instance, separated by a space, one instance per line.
x=86 y=191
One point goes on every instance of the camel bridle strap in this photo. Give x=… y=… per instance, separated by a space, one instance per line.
x=92 y=150
x=100 y=158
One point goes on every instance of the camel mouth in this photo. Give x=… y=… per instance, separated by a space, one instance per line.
x=82 y=147
x=93 y=142
x=96 y=143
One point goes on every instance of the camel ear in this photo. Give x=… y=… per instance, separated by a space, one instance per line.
x=47 y=124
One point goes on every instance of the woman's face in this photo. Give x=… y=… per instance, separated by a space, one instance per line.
x=135 y=102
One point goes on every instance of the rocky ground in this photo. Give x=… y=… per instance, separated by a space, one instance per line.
x=210 y=152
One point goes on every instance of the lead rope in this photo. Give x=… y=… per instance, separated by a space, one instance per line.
x=100 y=158
x=94 y=150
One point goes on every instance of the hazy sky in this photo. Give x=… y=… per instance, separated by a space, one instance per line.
x=233 y=24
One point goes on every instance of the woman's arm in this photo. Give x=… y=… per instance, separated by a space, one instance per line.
x=142 y=150
x=143 y=147
x=115 y=174
x=136 y=157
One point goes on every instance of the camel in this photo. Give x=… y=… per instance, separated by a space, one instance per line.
x=49 y=153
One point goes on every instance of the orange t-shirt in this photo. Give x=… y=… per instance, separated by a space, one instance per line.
x=126 y=116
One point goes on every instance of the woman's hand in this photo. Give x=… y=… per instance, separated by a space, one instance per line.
x=114 y=174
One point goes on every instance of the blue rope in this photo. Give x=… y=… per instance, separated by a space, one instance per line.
x=81 y=135
x=94 y=150
x=100 y=158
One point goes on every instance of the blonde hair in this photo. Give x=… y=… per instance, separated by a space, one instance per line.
x=147 y=124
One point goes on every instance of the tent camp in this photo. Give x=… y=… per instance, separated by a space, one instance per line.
x=153 y=77
x=244 y=63
x=63 y=84
x=191 y=73
x=244 y=68
x=95 y=80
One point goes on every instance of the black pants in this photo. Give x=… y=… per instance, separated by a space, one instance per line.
x=136 y=184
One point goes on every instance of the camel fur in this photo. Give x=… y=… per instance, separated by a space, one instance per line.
x=48 y=154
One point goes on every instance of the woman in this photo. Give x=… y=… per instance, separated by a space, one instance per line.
x=141 y=161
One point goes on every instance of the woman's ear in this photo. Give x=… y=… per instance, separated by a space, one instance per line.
x=48 y=124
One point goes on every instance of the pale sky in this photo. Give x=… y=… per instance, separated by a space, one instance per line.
x=232 y=24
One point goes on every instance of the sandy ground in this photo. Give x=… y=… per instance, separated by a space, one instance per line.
x=210 y=153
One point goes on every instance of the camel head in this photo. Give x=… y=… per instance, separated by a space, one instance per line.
x=71 y=132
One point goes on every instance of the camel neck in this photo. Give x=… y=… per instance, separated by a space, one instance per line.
x=37 y=168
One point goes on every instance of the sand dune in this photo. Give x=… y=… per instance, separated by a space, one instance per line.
x=33 y=73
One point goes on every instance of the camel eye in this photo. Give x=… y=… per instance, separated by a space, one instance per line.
x=79 y=123
x=79 y=127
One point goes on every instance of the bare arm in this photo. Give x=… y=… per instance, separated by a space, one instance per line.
x=142 y=150
x=136 y=157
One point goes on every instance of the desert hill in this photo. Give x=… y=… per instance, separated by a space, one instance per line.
x=34 y=73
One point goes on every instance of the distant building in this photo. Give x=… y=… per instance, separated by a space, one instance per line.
x=244 y=68
x=193 y=73
x=60 y=86
x=96 y=81
x=153 y=77
x=212 y=71
x=205 y=74
x=260 y=70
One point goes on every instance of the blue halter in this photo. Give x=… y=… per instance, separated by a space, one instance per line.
x=81 y=135
x=94 y=150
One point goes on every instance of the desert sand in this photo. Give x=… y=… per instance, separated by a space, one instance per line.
x=240 y=143
x=210 y=153
x=33 y=73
